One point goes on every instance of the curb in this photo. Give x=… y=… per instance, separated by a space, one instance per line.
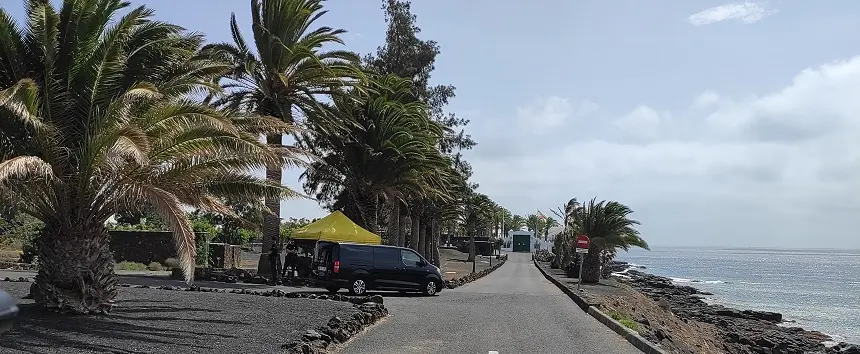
x=454 y=283
x=631 y=336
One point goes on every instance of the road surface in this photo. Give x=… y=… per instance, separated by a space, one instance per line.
x=512 y=310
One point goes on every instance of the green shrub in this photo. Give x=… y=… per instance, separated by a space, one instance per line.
x=126 y=265
x=205 y=231
x=21 y=231
x=171 y=263
x=155 y=267
x=630 y=324
x=624 y=319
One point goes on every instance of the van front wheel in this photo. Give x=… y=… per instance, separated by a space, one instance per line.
x=357 y=287
x=430 y=288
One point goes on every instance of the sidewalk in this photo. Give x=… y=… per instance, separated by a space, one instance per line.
x=589 y=292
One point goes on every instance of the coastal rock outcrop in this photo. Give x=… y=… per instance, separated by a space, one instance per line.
x=744 y=331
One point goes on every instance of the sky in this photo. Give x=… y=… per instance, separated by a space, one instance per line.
x=720 y=124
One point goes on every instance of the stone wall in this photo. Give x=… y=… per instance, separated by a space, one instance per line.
x=144 y=246
x=222 y=255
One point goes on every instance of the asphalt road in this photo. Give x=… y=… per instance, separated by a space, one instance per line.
x=512 y=310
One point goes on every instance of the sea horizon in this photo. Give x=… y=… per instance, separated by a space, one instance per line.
x=850 y=250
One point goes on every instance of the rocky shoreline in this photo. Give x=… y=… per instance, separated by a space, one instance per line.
x=743 y=331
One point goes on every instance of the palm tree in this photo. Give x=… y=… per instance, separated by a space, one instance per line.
x=505 y=220
x=387 y=153
x=562 y=242
x=517 y=222
x=110 y=123
x=548 y=223
x=477 y=216
x=609 y=226
x=282 y=76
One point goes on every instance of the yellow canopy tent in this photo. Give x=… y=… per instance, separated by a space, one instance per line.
x=336 y=227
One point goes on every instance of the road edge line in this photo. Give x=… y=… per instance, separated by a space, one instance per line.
x=631 y=336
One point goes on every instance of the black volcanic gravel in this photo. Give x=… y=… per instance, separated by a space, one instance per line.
x=162 y=321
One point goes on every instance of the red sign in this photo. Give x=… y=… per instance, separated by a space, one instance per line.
x=582 y=241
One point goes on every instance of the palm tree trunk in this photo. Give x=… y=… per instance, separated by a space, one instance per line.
x=271 y=222
x=558 y=248
x=422 y=237
x=76 y=273
x=401 y=241
x=591 y=272
x=434 y=245
x=472 y=249
x=394 y=224
x=368 y=207
x=414 y=237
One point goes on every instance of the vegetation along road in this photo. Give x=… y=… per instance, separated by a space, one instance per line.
x=512 y=310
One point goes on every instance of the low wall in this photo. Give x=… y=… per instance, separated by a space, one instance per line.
x=144 y=246
x=222 y=255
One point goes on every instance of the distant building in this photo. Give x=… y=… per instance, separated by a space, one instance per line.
x=520 y=241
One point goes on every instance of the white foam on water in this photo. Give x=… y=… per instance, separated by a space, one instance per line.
x=695 y=281
x=835 y=339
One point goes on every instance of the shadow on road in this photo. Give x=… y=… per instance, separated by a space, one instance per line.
x=384 y=294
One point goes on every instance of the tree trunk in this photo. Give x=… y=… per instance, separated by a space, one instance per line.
x=76 y=273
x=558 y=249
x=591 y=272
x=423 y=238
x=434 y=246
x=271 y=222
x=401 y=241
x=472 y=249
x=567 y=253
x=394 y=224
x=368 y=207
x=414 y=239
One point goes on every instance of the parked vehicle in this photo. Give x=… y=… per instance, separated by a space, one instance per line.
x=360 y=267
x=8 y=311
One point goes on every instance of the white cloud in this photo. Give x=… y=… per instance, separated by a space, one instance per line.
x=783 y=162
x=706 y=99
x=546 y=114
x=746 y=12
x=643 y=122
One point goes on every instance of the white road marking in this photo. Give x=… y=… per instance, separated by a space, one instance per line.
x=493 y=352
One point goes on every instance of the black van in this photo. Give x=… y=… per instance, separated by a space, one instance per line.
x=360 y=267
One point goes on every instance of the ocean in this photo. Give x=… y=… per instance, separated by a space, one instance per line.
x=814 y=289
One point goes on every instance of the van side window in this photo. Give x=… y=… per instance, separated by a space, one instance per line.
x=355 y=254
x=409 y=258
x=386 y=256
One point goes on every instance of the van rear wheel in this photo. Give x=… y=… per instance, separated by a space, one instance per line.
x=357 y=286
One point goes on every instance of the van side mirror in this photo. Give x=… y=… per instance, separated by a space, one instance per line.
x=420 y=263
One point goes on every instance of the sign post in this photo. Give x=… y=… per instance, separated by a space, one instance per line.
x=582 y=243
